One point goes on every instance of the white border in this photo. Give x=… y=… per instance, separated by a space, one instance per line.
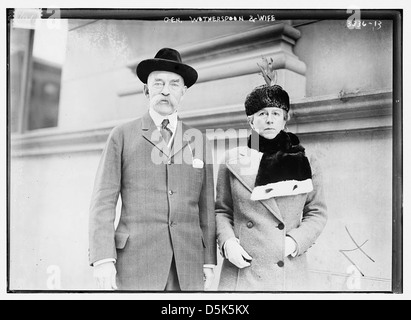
x=213 y=4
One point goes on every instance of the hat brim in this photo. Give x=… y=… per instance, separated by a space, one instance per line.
x=146 y=67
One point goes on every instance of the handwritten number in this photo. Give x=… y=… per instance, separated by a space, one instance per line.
x=379 y=25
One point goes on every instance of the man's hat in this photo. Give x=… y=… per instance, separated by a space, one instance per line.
x=167 y=60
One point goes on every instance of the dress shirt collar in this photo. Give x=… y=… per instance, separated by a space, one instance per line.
x=158 y=119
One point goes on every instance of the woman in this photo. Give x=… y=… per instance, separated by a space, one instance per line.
x=270 y=206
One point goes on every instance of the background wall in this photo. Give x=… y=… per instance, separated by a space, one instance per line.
x=340 y=84
x=351 y=62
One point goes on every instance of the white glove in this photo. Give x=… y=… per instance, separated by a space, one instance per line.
x=105 y=275
x=208 y=278
x=290 y=247
x=236 y=254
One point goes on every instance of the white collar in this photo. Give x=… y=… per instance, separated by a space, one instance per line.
x=158 y=119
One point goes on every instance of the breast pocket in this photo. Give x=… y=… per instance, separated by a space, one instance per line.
x=199 y=173
x=195 y=178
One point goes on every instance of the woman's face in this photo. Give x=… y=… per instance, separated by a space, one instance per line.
x=268 y=122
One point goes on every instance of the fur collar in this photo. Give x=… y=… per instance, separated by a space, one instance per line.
x=284 y=169
x=284 y=141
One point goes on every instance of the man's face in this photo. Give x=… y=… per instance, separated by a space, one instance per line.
x=165 y=91
x=268 y=122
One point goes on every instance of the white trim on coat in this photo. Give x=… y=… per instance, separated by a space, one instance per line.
x=282 y=188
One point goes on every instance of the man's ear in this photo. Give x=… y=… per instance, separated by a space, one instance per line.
x=146 y=92
x=184 y=92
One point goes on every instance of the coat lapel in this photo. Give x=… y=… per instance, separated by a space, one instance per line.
x=180 y=139
x=245 y=168
x=152 y=135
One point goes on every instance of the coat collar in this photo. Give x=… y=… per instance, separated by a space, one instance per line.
x=152 y=135
x=244 y=166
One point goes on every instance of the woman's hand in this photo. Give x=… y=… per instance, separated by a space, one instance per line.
x=236 y=254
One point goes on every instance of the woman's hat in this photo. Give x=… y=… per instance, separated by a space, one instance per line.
x=167 y=60
x=266 y=96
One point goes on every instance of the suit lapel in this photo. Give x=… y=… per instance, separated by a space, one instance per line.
x=152 y=135
x=180 y=140
x=245 y=168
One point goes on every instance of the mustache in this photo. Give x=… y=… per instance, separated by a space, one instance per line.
x=158 y=99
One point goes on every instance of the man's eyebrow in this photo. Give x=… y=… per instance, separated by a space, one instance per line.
x=175 y=80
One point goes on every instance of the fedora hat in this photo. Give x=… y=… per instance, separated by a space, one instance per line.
x=167 y=60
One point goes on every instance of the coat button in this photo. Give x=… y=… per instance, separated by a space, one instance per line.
x=170 y=192
x=169 y=162
x=250 y=224
x=280 y=264
x=281 y=226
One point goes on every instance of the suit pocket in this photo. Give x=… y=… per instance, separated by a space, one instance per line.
x=121 y=240
x=202 y=240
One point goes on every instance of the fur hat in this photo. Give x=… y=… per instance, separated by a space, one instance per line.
x=266 y=96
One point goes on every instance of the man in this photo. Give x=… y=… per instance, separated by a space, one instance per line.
x=165 y=239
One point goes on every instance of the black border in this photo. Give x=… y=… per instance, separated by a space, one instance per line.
x=397 y=210
x=396 y=15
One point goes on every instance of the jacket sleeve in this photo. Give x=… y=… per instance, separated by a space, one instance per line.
x=104 y=200
x=206 y=208
x=224 y=207
x=314 y=215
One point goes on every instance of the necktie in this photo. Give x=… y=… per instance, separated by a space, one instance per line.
x=165 y=131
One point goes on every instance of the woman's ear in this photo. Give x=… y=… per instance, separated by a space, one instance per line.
x=251 y=121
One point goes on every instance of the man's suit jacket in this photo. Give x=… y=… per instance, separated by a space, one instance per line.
x=167 y=208
x=261 y=226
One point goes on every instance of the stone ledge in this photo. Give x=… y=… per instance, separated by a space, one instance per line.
x=327 y=109
x=331 y=114
x=234 y=55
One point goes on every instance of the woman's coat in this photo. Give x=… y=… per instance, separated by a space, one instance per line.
x=261 y=226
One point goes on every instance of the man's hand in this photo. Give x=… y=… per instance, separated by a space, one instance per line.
x=105 y=275
x=236 y=254
x=208 y=278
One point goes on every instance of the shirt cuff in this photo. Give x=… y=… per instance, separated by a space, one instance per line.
x=97 y=263
x=209 y=266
